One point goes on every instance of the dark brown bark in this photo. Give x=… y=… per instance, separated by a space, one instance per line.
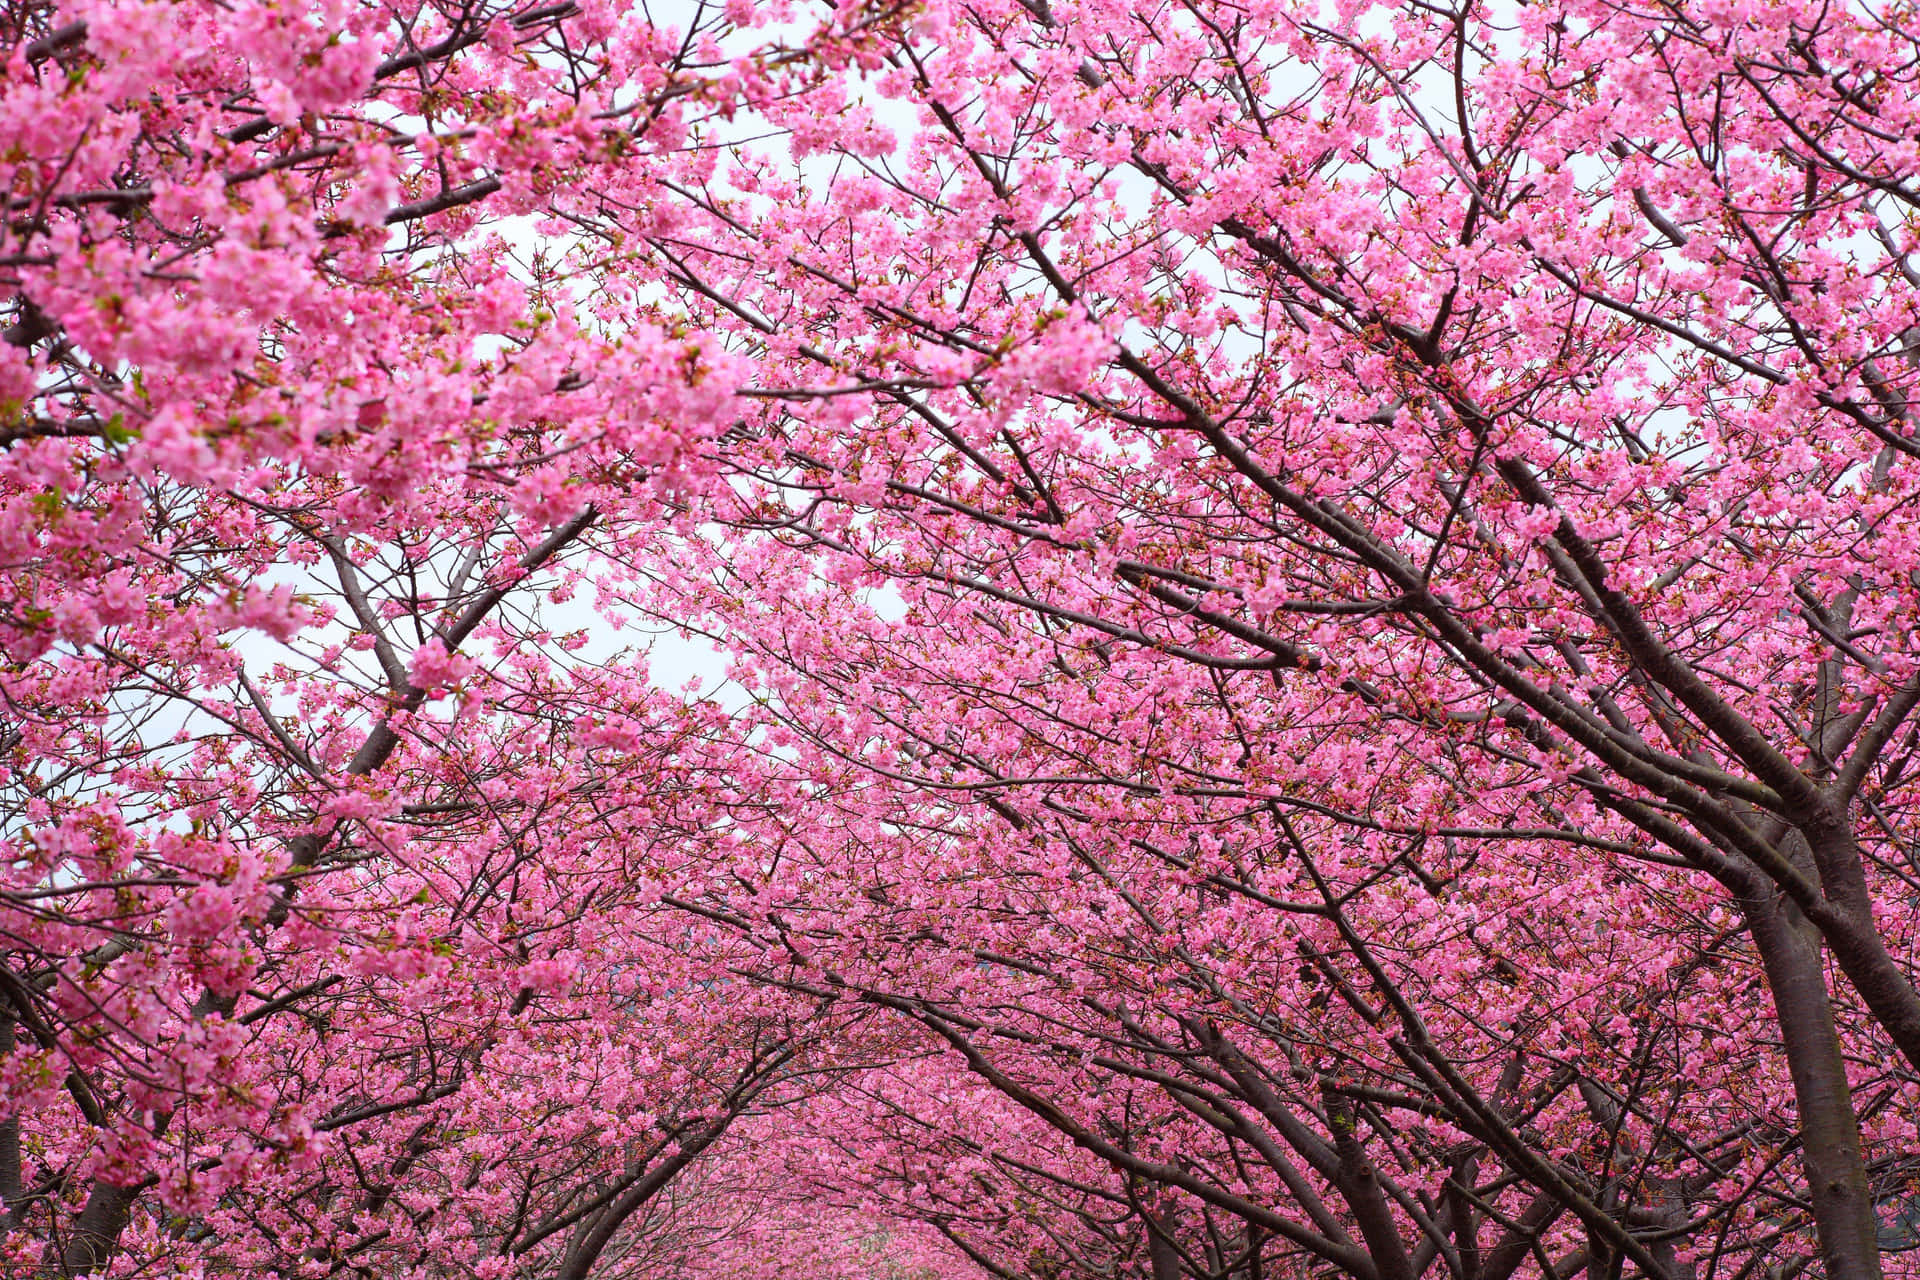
x=1161 y=1250
x=91 y=1239
x=1360 y=1185
x=1519 y=1242
x=10 y=1177
x=1830 y=1133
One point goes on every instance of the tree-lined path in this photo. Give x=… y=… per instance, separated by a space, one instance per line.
x=1318 y=606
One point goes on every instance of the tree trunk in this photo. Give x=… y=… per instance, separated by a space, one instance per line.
x=1830 y=1131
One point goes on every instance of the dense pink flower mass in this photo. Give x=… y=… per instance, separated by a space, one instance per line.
x=1322 y=602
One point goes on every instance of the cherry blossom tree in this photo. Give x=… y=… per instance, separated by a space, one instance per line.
x=1325 y=591
x=1429 y=488
x=333 y=937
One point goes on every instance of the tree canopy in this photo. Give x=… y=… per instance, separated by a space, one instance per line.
x=1320 y=604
